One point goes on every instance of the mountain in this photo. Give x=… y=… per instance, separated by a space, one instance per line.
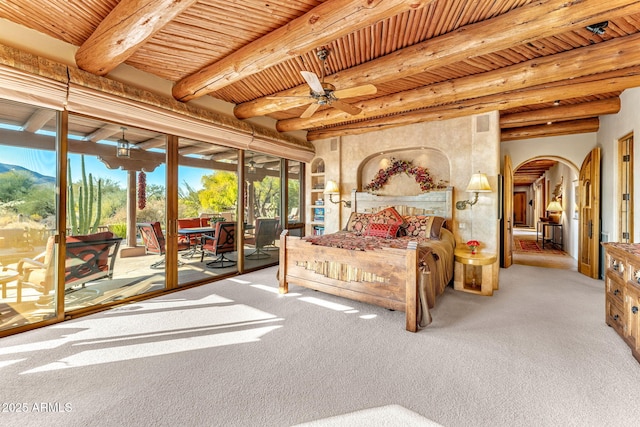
x=40 y=179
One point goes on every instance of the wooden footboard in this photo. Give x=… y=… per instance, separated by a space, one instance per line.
x=385 y=277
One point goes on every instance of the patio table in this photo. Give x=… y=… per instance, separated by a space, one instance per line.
x=195 y=231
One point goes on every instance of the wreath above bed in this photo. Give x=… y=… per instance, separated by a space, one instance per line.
x=421 y=175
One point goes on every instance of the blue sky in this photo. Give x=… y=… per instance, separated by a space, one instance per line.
x=44 y=162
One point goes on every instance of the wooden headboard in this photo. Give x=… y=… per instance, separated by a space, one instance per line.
x=435 y=202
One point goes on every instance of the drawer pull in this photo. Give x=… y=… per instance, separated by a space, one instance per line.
x=634 y=309
x=616 y=292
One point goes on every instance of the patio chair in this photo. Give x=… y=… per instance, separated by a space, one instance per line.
x=223 y=242
x=266 y=234
x=88 y=257
x=154 y=241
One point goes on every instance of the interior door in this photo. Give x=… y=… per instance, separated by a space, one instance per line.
x=507 y=214
x=520 y=207
x=589 y=215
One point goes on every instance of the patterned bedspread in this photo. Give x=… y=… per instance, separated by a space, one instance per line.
x=352 y=241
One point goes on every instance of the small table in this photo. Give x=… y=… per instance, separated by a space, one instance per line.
x=475 y=273
x=195 y=231
x=553 y=240
x=7 y=275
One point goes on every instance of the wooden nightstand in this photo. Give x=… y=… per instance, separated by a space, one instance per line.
x=477 y=273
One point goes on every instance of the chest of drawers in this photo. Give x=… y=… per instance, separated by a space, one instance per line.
x=622 y=283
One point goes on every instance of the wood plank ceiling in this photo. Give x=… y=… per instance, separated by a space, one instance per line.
x=545 y=65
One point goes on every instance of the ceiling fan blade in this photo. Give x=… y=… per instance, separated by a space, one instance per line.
x=355 y=91
x=310 y=110
x=313 y=81
x=347 y=108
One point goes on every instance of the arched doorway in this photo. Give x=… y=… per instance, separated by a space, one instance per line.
x=545 y=234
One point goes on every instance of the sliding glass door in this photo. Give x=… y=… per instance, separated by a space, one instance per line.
x=122 y=211
x=28 y=214
x=207 y=211
x=262 y=220
x=116 y=213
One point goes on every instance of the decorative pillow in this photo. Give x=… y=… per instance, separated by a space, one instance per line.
x=358 y=222
x=388 y=216
x=386 y=231
x=428 y=227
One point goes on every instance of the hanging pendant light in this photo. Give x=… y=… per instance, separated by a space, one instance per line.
x=252 y=166
x=123 y=149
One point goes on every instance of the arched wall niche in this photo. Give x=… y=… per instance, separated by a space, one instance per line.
x=434 y=160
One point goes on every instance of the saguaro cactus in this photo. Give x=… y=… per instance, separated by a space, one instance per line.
x=83 y=218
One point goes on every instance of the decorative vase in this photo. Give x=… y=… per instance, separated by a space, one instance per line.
x=473 y=246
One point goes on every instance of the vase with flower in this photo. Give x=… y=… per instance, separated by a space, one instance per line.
x=473 y=246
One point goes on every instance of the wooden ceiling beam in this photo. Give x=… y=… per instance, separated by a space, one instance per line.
x=127 y=27
x=561 y=113
x=329 y=21
x=612 y=81
x=556 y=129
x=38 y=119
x=593 y=59
x=528 y=23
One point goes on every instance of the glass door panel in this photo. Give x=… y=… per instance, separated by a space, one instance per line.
x=116 y=209
x=295 y=202
x=28 y=214
x=263 y=220
x=207 y=196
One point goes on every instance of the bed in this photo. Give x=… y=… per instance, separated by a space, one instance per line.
x=405 y=271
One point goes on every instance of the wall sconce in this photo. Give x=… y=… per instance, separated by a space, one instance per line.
x=332 y=189
x=478 y=184
x=123 y=148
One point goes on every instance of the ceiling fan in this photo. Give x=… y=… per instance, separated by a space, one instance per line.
x=323 y=93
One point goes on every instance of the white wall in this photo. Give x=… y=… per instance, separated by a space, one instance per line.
x=612 y=128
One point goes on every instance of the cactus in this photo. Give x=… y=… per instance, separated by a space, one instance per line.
x=81 y=219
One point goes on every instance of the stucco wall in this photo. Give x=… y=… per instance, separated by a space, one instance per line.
x=467 y=145
x=612 y=128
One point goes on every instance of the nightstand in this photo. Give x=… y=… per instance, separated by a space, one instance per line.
x=476 y=273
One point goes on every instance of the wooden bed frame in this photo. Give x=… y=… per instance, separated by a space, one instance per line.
x=331 y=270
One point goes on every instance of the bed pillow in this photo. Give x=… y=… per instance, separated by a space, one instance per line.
x=358 y=222
x=388 y=216
x=423 y=226
x=386 y=231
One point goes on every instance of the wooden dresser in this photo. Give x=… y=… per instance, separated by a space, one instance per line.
x=622 y=282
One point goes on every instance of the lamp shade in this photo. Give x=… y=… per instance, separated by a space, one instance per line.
x=554 y=206
x=478 y=184
x=331 y=187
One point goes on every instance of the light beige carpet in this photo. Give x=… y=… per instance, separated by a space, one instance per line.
x=384 y=416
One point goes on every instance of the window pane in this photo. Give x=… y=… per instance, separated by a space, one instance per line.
x=207 y=195
x=28 y=214
x=116 y=180
x=262 y=217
